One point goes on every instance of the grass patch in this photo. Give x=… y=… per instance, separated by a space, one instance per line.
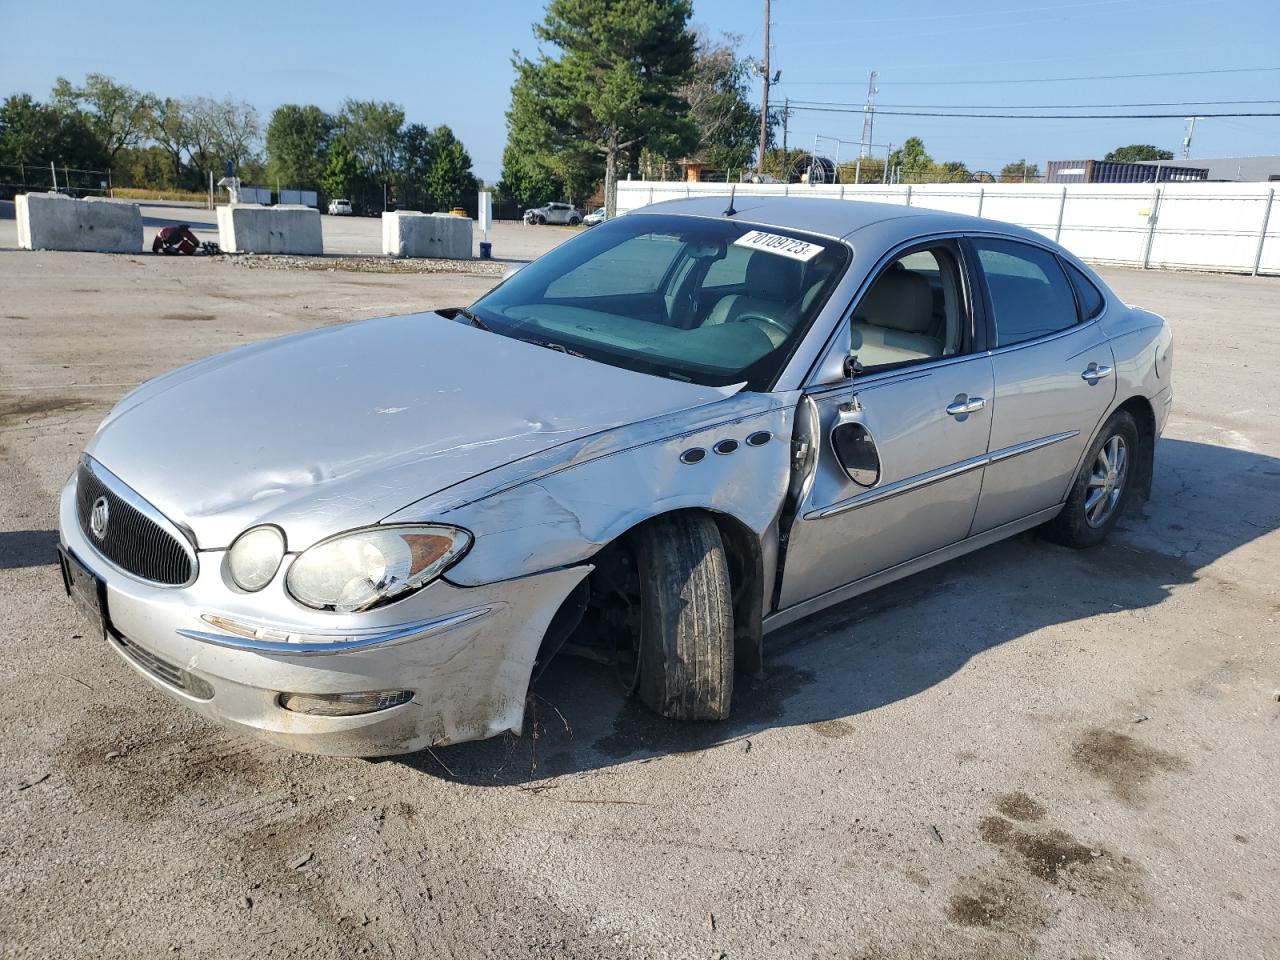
x=130 y=193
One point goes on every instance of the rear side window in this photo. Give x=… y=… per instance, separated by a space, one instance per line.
x=1088 y=296
x=1030 y=295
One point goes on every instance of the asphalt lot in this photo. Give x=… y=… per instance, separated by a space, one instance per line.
x=1029 y=752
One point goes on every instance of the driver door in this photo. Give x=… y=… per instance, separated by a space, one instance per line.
x=900 y=449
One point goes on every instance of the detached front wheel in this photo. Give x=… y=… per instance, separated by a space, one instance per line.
x=685 y=669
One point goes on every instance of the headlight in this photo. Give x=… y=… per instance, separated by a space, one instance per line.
x=255 y=557
x=364 y=568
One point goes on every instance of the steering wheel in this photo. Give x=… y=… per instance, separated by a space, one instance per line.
x=761 y=318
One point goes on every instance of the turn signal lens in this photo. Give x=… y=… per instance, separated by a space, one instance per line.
x=343 y=704
x=255 y=557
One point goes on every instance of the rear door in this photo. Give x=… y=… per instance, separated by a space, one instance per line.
x=1053 y=376
x=900 y=449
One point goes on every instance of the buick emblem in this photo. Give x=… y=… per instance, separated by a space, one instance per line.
x=99 y=517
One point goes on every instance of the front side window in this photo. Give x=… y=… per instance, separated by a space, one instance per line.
x=706 y=300
x=1030 y=295
x=914 y=311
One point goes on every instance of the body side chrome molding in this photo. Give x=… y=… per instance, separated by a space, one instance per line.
x=799 y=611
x=899 y=487
x=330 y=644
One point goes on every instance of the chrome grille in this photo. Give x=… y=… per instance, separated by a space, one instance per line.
x=134 y=541
x=163 y=669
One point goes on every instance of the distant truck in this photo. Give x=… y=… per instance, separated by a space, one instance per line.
x=553 y=213
x=339 y=208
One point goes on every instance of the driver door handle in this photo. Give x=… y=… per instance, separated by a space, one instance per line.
x=965 y=406
x=1095 y=372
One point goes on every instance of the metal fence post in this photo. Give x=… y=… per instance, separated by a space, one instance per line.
x=1151 y=227
x=1262 y=234
x=908 y=194
x=651 y=194
x=842 y=191
x=982 y=193
x=1062 y=209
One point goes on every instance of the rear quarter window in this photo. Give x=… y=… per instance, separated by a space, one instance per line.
x=1088 y=297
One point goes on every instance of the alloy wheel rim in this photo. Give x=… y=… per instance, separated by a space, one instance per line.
x=1106 y=481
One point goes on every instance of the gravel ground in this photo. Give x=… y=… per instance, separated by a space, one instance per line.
x=1030 y=752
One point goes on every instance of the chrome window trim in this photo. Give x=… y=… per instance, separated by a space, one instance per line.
x=152 y=513
x=908 y=484
x=348 y=642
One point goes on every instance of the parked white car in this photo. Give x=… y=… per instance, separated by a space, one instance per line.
x=553 y=213
x=339 y=208
x=594 y=217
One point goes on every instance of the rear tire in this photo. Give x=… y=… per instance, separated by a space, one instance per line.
x=1102 y=488
x=574 y=221
x=540 y=220
x=686 y=619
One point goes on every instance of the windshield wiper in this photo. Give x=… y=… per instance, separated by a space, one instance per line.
x=471 y=318
x=552 y=345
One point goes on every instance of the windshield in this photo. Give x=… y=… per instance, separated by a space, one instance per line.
x=710 y=301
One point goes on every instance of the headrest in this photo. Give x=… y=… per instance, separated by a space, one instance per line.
x=900 y=300
x=772 y=277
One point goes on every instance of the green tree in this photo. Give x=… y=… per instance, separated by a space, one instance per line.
x=371 y=130
x=342 y=174
x=449 y=177
x=35 y=133
x=910 y=159
x=298 y=140
x=1138 y=151
x=171 y=130
x=953 y=171
x=118 y=114
x=718 y=93
x=614 y=86
x=1019 y=171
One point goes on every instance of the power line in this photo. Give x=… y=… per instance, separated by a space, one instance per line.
x=1038 y=106
x=1036 y=116
x=1100 y=76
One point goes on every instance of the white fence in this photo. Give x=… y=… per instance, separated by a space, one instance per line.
x=1230 y=227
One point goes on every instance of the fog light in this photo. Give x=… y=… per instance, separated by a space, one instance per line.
x=343 y=704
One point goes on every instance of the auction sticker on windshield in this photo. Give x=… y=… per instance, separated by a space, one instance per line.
x=773 y=243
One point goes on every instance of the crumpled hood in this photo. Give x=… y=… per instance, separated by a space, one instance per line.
x=339 y=427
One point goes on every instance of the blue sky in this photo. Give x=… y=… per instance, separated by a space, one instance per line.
x=449 y=62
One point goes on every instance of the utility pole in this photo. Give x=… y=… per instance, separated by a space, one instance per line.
x=764 y=104
x=869 y=117
x=786 y=117
x=1186 y=141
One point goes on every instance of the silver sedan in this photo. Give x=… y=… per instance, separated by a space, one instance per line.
x=666 y=438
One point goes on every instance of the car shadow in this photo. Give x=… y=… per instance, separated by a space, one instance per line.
x=28 y=548
x=898 y=641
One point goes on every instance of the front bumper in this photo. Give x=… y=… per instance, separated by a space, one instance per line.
x=465 y=652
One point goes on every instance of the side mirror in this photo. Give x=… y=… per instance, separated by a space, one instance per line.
x=855 y=448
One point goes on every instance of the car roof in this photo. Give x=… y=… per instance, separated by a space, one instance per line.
x=836 y=218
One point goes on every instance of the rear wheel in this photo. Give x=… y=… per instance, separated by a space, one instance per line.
x=540 y=220
x=1101 y=489
x=686 y=619
x=574 y=221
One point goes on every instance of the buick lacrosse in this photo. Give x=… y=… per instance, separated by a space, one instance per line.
x=670 y=435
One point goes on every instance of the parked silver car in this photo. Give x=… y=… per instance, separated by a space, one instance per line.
x=561 y=213
x=667 y=437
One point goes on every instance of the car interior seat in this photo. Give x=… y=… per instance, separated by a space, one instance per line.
x=893 y=322
x=773 y=293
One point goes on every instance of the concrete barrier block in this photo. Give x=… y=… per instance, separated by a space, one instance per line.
x=53 y=221
x=248 y=228
x=406 y=233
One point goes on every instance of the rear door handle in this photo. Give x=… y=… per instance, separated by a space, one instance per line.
x=1095 y=372
x=962 y=406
